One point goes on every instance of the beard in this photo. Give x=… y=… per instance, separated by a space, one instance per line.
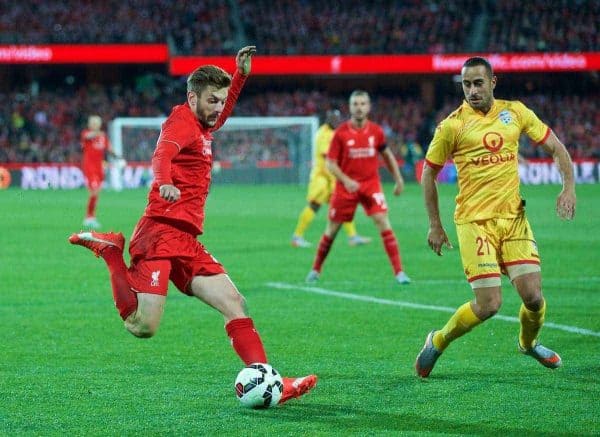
x=207 y=120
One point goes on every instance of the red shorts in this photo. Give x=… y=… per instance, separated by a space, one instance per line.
x=160 y=251
x=343 y=203
x=93 y=178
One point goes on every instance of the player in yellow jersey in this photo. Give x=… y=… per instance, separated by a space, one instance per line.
x=321 y=185
x=481 y=136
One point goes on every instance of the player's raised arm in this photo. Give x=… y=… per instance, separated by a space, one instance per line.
x=565 y=202
x=436 y=236
x=243 y=60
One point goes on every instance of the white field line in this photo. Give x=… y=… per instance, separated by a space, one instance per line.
x=400 y=303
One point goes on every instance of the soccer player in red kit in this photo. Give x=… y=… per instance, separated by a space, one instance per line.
x=353 y=160
x=95 y=145
x=164 y=244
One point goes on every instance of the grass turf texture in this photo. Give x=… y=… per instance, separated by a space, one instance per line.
x=69 y=367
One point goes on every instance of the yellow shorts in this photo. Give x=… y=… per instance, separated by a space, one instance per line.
x=320 y=188
x=489 y=248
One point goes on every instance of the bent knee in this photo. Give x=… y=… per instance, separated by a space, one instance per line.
x=141 y=330
x=534 y=302
x=488 y=309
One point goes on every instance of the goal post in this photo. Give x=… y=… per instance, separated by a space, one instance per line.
x=247 y=149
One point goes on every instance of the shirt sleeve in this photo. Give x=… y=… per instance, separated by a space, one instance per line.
x=237 y=83
x=441 y=145
x=108 y=143
x=335 y=148
x=175 y=131
x=381 y=143
x=531 y=125
x=161 y=162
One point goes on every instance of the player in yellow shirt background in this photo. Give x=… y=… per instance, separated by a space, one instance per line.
x=321 y=185
x=495 y=238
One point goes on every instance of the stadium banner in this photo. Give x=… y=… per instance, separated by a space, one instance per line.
x=54 y=176
x=534 y=172
x=84 y=54
x=393 y=64
x=60 y=176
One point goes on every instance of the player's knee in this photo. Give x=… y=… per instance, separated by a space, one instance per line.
x=489 y=308
x=141 y=329
x=314 y=206
x=533 y=302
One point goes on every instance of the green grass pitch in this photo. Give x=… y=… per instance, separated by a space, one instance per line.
x=68 y=367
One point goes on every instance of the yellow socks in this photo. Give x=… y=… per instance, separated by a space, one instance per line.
x=531 y=323
x=304 y=220
x=461 y=322
x=350 y=229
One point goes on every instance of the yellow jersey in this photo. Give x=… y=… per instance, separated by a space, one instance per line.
x=322 y=141
x=484 y=148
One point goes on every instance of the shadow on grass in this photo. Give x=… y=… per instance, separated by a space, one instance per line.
x=349 y=419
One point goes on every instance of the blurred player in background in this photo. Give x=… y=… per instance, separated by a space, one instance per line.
x=321 y=185
x=482 y=137
x=164 y=243
x=353 y=160
x=95 y=146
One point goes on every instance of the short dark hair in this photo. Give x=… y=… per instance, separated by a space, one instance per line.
x=356 y=93
x=208 y=75
x=476 y=60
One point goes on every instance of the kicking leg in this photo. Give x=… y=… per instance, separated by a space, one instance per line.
x=220 y=293
x=144 y=321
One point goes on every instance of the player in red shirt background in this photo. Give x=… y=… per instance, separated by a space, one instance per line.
x=95 y=145
x=164 y=243
x=353 y=160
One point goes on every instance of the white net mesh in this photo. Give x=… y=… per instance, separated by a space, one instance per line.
x=247 y=149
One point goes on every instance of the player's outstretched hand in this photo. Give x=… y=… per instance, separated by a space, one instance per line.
x=169 y=192
x=436 y=238
x=565 y=205
x=243 y=60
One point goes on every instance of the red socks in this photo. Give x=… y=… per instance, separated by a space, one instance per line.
x=391 y=248
x=91 y=207
x=323 y=250
x=125 y=299
x=246 y=341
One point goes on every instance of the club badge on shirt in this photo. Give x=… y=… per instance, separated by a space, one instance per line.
x=505 y=117
x=206 y=146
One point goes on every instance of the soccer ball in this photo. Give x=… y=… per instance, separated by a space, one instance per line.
x=258 y=385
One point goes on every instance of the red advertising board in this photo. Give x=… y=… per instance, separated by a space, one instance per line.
x=285 y=65
x=84 y=54
x=394 y=64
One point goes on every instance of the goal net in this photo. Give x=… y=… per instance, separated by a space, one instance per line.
x=245 y=149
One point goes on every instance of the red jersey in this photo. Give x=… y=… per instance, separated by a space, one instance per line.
x=356 y=150
x=94 y=150
x=187 y=145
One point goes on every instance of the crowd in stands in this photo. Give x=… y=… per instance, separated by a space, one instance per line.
x=282 y=27
x=544 y=26
x=44 y=126
x=312 y=26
